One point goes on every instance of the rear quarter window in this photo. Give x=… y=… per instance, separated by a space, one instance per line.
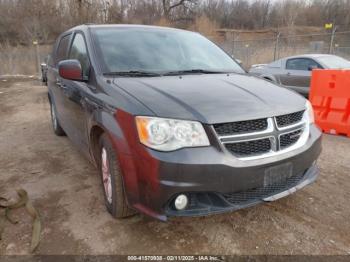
x=62 y=49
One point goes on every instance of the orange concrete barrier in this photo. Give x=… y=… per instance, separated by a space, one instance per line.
x=330 y=98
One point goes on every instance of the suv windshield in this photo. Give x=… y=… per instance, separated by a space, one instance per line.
x=334 y=62
x=160 y=51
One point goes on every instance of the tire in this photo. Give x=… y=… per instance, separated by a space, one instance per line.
x=112 y=180
x=58 y=130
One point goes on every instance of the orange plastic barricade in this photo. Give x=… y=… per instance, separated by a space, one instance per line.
x=330 y=98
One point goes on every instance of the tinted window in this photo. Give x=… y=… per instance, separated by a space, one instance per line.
x=78 y=51
x=301 y=64
x=159 y=50
x=62 y=49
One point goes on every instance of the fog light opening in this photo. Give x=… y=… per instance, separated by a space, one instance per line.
x=181 y=202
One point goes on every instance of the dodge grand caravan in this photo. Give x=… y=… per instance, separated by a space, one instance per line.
x=174 y=125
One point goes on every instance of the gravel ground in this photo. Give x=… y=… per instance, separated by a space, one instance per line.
x=66 y=190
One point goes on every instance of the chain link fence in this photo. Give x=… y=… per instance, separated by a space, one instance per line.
x=266 y=50
x=22 y=60
x=25 y=60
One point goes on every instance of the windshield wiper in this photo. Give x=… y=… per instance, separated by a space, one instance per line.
x=133 y=73
x=194 y=71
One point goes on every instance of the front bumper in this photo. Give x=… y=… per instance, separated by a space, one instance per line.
x=215 y=203
x=216 y=182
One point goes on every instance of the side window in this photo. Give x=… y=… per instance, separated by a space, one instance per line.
x=78 y=51
x=62 y=49
x=301 y=64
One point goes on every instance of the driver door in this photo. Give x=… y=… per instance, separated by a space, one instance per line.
x=297 y=74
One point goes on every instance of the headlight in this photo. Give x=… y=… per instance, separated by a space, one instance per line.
x=310 y=112
x=169 y=134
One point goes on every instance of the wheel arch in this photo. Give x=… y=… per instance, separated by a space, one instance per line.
x=269 y=78
x=106 y=123
x=101 y=122
x=96 y=132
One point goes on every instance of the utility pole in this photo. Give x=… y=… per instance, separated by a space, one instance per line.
x=332 y=39
x=36 y=44
x=276 y=46
x=233 y=43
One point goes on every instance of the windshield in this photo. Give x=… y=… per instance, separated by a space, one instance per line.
x=334 y=62
x=159 y=51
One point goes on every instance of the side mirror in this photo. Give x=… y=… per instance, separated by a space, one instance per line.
x=70 y=69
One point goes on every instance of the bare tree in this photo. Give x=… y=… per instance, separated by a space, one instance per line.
x=260 y=10
x=169 y=5
x=21 y=21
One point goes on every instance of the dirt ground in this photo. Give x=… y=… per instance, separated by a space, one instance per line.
x=66 y=190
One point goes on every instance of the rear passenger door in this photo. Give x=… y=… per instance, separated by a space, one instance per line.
x=75 y=93
x=55 y=81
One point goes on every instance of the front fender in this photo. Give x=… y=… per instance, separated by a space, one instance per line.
x=108 y=123
x=137 y=167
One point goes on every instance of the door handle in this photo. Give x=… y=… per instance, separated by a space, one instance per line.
x=288 y=74
x=58 y=83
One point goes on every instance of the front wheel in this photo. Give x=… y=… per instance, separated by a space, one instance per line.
x=112 y=180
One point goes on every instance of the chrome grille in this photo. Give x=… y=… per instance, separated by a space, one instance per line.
x=259 y=138
x=289 y=119
x=249 y=148
x=289 y=139
x=240 y=127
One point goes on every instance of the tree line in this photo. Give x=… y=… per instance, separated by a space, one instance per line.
x=23 y=21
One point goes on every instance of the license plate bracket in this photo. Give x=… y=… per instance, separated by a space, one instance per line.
x=278 y=174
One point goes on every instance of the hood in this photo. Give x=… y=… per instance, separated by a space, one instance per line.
x=211 y=99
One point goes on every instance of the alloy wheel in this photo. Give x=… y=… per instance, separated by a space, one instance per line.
x=106 y=175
